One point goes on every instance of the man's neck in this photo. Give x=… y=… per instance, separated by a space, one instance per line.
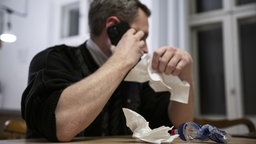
x=103 y=44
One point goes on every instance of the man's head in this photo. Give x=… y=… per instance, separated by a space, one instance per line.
x=124 y=10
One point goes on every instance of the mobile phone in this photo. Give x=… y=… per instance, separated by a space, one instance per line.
x=116 y=32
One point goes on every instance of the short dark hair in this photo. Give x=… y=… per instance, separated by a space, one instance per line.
x=125 y=10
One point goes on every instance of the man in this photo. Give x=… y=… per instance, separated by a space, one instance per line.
x=80 y=91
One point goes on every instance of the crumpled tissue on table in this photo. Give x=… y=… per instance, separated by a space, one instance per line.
x=140 y=128
x=143 y=72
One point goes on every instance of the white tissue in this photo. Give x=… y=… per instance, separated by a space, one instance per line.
x=139 y=127
x=143 y=72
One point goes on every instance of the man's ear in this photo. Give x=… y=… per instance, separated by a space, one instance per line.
x=112 y=21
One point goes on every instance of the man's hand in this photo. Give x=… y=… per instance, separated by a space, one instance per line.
x=131 y=46
x=171 y=60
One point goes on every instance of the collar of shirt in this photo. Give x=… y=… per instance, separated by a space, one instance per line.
x=99 y=57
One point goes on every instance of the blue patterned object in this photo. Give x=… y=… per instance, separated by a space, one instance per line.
x=192 y=131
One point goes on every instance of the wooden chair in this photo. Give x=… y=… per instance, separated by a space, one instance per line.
x=224 y=123
x=15 y=128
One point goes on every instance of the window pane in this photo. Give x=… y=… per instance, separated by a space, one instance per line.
x=242 y=2
x=70 y=20
x=208 y=5
x=211 y=70
x=73 y=22
x=247 y=29
x=1 y=22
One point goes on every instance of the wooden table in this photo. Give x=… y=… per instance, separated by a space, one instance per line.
x=120 y=140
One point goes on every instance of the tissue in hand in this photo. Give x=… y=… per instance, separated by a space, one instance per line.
x=143 y=72
x=140 y=128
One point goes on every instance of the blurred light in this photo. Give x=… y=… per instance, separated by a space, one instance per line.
x=8 y=37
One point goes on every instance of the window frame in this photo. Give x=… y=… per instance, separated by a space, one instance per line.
x=83 y=32
x=229 y=16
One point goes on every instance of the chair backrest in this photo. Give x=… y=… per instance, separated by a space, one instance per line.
x=224 y=123
x=16 y=128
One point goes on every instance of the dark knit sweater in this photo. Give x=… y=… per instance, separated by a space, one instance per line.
x=56 y=68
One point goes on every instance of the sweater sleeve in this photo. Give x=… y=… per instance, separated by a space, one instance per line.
x=50 y=72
